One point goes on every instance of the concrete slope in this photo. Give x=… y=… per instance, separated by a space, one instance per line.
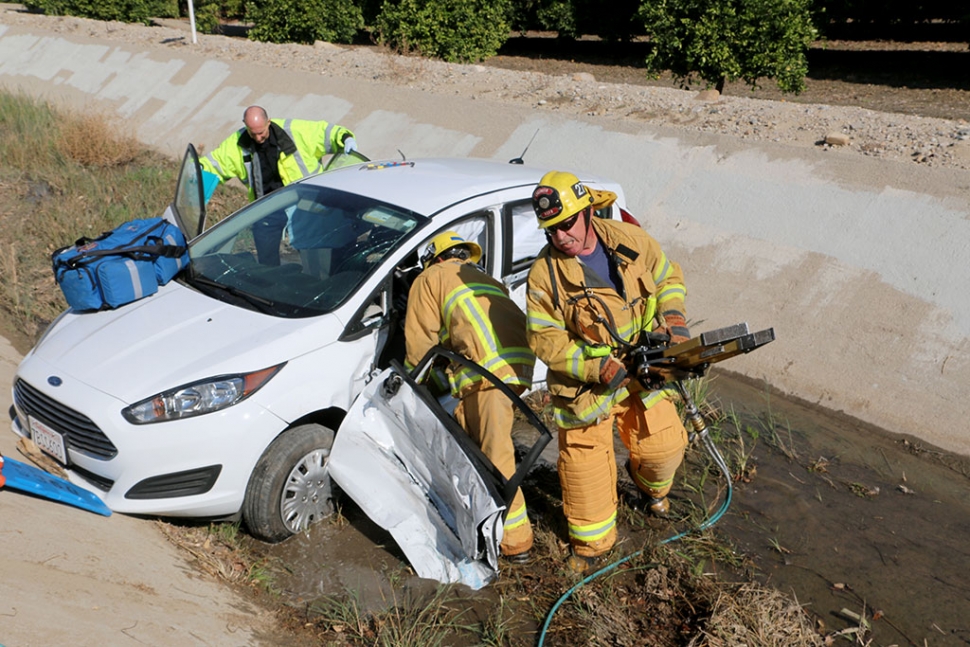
x=860 y=265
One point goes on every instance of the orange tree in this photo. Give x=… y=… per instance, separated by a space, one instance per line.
x=726 y=40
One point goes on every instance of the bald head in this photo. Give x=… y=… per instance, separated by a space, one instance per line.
x=257 y=123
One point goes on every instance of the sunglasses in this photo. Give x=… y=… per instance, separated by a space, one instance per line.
x=565 y=225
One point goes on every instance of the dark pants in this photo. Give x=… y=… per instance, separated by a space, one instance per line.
x=267 y=234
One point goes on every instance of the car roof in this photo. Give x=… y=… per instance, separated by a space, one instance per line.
x=428 y=185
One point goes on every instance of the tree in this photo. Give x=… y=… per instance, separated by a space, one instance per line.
x=457 y=31
x=726 y=40
x=304 y=21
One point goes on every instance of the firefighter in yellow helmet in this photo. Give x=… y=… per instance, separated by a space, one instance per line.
x=455 y=304
x=598 y=280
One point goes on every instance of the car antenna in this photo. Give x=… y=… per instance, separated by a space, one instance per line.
x=519 y=160
x=403 y=156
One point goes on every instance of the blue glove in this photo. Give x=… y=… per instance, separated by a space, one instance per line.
x=350 y=145
x=209 y=183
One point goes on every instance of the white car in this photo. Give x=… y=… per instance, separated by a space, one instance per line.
x=220 y=395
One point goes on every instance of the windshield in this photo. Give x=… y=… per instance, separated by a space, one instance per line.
x=298 y=252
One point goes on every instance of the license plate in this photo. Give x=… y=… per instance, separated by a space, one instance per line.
x=47 y=439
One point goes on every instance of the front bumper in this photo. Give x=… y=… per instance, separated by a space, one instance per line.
x=195 y=467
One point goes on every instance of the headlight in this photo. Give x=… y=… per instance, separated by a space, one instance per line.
x=198 y=398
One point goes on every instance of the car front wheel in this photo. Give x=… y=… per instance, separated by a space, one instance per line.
x=290 y=487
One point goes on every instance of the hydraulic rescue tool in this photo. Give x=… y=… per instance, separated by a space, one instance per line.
x=655 y=362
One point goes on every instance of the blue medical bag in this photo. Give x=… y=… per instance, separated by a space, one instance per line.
x=121 y=265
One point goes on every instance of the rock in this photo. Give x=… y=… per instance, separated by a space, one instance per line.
x=837 y=139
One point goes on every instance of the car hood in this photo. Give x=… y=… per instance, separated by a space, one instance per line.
x=171 y=338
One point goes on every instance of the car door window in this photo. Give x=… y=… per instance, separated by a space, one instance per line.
x=478 y=227
x=189 y=203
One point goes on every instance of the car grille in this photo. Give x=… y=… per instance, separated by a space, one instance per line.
x=80 y=432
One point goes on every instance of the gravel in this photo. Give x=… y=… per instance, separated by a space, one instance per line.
x=906 y=138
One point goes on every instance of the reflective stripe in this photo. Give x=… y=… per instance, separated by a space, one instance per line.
x=593 y=531
x=658 y=485
x=663 y=269
x=326 y=139
x=650 y=398
x=304 y=171
x=135 y=281
x=672 y=291
x=465 y=377
x=516 y=518
x=465 y=298
x=215 y=164
x=599 y=409
x=536 y=322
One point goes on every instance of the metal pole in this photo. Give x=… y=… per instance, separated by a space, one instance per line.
x=192 y=21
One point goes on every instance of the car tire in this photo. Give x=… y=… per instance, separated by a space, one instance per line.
x=290 y=488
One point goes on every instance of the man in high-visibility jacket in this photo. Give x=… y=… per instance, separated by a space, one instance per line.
x=267 y=154
x=592 y=292
x=455 y=304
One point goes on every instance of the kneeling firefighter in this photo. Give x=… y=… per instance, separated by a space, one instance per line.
x=595 y=290
x=455 y=304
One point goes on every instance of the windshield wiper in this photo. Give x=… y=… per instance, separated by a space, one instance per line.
x=261 y=304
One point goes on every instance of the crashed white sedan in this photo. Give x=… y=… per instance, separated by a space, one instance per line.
x=221 y=394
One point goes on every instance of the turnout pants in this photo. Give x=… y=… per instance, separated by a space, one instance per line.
x=656 y=439
x=487 y=416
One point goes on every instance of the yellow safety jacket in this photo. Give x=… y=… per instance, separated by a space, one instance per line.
x=571 y=311
x=454 y=303
x=302 y=143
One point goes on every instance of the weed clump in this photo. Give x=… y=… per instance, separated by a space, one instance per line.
x=96 y=141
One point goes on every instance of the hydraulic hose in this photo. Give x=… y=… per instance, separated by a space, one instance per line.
x=700 y=430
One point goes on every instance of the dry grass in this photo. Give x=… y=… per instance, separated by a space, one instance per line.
x=753 y=615
x=96 y=140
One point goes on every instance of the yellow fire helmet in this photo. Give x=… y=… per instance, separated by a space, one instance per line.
x=448 y=240
x=560 y=195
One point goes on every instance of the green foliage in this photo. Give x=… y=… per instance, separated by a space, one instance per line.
x=559 y=16
x=454 y=30
x=304 y=21
x=209 y=14
x=721 y=40
x=571 y=19
x=121 y=10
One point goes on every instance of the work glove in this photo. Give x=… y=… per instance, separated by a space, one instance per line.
x=209 y=183
x=675 y=327
x=612 y=373
x=350 y=145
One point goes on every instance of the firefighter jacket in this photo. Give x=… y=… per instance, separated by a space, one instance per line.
x=302 y=143
x=571 y=312
x=455 y=304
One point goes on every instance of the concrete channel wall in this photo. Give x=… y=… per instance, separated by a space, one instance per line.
x=861 y=266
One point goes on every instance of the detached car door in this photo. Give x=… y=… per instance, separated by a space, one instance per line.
x=413 y=470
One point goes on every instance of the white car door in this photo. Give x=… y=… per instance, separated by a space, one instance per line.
x=415 y=472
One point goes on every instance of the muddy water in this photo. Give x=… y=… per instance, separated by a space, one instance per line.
x=855 y=518
x=842 y=516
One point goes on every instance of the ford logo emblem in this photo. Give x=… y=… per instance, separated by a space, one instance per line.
x=53 y=380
